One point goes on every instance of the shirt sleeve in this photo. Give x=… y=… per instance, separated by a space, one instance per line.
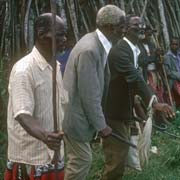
x=21 y=91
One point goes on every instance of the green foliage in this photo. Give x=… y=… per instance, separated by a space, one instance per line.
x=3 y=93
x=3 y=107
x=97 y=164
x=3 y=149
x=162 y=166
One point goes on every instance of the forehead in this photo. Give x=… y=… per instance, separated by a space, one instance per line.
x=60 y=26
x=135 y=20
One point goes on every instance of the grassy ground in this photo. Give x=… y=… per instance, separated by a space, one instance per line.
x=162 y=166
x=3 y=147
x=165 y=165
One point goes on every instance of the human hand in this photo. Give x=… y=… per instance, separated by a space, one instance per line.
x=105 y=132
x=165 y=108
x=53 y=140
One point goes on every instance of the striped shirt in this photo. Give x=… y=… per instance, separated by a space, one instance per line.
x=30 y=92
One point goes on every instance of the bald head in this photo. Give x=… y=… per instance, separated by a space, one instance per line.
x=109 y=14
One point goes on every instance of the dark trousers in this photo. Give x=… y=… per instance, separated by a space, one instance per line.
x=116 y=152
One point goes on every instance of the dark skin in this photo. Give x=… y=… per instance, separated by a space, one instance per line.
x=44 y=45
x=133 y=35
x=174 y=46
x=113 y=32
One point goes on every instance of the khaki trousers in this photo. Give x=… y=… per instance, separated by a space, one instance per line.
x=79 y=158
x=116 y=152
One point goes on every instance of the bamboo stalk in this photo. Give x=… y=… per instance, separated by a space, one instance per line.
x=26 y=23
x=36 y=7
x=122 y=5
x=70 y=5
x=144 y=9
x=163 y=21
x=4 y=28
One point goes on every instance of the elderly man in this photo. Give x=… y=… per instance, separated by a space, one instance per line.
x=31 y=140
x=126 y=81
x=86 y=79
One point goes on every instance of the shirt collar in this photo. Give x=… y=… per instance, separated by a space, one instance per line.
x=41 y=61
x=172 y=54
x=133 y=47
x=104 y=41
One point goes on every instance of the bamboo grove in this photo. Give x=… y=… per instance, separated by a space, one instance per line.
x=17 y=19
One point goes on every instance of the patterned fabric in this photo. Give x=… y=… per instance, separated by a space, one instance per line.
x=15 y=171
x=30 y=92
x=155 y=82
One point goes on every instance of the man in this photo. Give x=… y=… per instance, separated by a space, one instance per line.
x=148 y=52
x=31 y=140
x=172 y=66
x=150 y=62
x=63 y=57
x=126 y=81
x=86 y=79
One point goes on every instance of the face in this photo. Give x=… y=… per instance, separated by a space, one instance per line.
x=60 y=36
x=135 y=28
x=117 y=30
x=148 y=34
x=174 y=45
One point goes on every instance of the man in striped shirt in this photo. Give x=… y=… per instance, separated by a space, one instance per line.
x=31 y=140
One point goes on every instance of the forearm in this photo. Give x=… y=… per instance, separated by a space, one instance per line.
x=32 y=127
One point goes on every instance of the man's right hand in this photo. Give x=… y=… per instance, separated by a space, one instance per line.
x=53 y=140
x=105 y=132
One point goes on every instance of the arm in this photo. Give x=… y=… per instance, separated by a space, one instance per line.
x=120 y=61
x=52 y=140
x=23 y=103
x=90 y=90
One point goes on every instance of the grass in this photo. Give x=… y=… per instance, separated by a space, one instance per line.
x=3 y=148
x=162 y=166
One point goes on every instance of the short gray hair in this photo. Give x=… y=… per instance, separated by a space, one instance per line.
x=109 y=14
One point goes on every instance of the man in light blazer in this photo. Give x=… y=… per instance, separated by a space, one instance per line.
x=86 y=79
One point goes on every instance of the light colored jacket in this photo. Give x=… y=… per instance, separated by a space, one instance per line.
x=86 y=81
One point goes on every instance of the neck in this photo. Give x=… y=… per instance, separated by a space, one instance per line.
x=132 y=39
x=174 y=52
x=46 y=53
x=145 y=41
x=105 y=33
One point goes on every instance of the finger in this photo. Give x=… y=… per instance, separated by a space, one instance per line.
x=54 y=146
x=170 y=113
x=53 y=139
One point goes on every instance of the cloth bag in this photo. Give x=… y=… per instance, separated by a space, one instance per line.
x=137 y=158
